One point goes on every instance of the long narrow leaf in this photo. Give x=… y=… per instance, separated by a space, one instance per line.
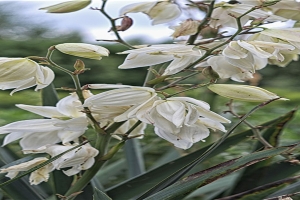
x=99 y=195
x=262 y=191
x=192 y=182
x=259 y=174
x=134 y=158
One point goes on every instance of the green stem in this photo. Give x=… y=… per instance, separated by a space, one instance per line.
x=113 y=24
x=188 y=89
x=204 y=22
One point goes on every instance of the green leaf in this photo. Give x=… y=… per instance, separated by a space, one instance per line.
x=134 y=158
x=61 y=182
x=135 y=186
x=49 y=96
x=263 y=191
x=192 y=182
x=290 y=189
x=259 y=174
x=99 y=195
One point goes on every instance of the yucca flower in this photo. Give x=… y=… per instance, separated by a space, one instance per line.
x=180 y=120
x=159 y=11
x=181 y=56
x=22 y=73
x=65 y=123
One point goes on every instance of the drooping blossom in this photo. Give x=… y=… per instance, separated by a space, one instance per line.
x=159 y=11
x=36 y=177
x=22 y=73
x=181 y=56
x=65 y=123
x=180 y=120
x=81 y=158
x=225 y=15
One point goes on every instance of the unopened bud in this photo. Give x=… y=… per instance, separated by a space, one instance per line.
x=208 y=72
x=243 y=92
x=83 y=50
x=79 y=66
x=126 y=23
x=269 y=2
x=67 y=7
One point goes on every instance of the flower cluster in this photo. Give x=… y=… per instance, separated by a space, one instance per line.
x=182 y=121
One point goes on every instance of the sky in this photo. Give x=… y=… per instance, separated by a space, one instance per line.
x=92 y=24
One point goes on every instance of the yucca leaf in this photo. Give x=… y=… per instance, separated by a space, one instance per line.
x=192 y=182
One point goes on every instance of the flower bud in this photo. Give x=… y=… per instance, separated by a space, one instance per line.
x=126 y=23
x=79 y=66
x=83 y=50
x=243 y=92
x=269 y=2
x=67 y=7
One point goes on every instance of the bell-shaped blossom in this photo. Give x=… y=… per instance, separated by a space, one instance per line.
x=225 y=70
x=67 y=7
x=36 y=177
x=22 y=73
x=289 y=35
x=160 y=11
x=83 y=50
x=181 y=120
x=65 y=123
x=81 y=158
x=112 y=105
x=243 y=92
x=78 y=159
x=181 y=56
x=243 y=53
x=221 y=15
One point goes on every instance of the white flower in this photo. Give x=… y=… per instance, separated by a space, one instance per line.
x=113 y=105
x=37 y=176
x=66 y=7
x=22 y=73
x=180 y=120
x=180 y=54
x=290 y=35
x=221 y=17
x=78 y=159
x=242 y=53
x=66 y=124
x=225 y=70
x=160 y=11
x=83 y=50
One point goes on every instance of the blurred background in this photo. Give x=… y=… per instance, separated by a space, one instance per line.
x=26 y=31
